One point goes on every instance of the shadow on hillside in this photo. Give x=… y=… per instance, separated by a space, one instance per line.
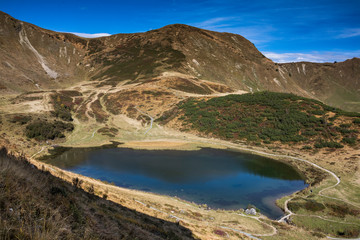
x=36 y=205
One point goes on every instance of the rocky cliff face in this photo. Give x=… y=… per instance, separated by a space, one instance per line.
x=34 y=58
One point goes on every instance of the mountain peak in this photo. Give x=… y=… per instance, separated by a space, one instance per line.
x=230 y=59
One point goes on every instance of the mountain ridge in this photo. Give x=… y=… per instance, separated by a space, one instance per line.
x=183 y=88
x=53 y=60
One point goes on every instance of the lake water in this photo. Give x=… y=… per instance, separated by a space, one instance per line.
x=220 y=178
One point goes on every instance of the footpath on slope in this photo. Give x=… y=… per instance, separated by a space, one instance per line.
x=151 y=119
x=290 y=213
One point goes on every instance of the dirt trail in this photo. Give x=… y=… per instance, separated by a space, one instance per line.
x=290 y=213
x=93 y=98
x=151 y=119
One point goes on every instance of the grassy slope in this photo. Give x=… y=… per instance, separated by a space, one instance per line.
x=37 y=205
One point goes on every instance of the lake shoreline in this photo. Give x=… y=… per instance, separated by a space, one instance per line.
x=127 y=198
x=191 y=175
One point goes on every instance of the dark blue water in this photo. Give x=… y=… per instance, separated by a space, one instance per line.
x=220 y=178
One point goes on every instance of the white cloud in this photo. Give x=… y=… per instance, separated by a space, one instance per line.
x=213 y=23
x=90 y=35
x=257 y=34
x=311 y=57
x=348 y=33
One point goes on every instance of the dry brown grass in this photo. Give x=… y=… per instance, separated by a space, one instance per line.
x=36 y=205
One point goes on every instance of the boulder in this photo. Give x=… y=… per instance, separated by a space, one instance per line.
x=250 y=211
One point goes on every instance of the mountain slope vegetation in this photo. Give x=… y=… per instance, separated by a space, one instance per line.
x=51 y=60
x=267 y=117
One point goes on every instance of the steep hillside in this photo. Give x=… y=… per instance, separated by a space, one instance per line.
x=36 y=205
x=33 y=58
x=220 y=57
x=337 y=84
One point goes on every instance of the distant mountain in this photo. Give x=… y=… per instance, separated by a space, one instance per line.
x=33 y=58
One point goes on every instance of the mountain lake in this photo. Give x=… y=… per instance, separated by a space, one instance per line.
x=225 y=179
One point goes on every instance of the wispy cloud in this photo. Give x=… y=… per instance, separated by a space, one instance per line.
x=257 y=34
x=348 y=33
x=212 y=23
x=311 y=57
x=90 y=35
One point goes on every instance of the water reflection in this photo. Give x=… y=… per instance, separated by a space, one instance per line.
x=220 y=178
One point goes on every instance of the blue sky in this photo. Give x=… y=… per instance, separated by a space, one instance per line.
x=315 y=30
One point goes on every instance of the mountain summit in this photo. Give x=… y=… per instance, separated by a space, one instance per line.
x=33 y=58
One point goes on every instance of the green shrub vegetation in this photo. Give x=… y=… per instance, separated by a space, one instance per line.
x=43 y=130
x=349 y=140
x=268 y=117
x=137 y=59
x=307 y=147
x=356 y=121
x=21 y=119
x=99 y=114
x=63 y=105
x=110 y=132
x=308 y=204
x=322 y=144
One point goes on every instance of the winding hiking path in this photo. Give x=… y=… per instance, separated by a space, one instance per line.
x=151 y=119
x=42 y=149
x=343 y=238
x=286 y=209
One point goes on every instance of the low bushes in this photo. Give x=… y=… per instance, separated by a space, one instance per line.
x=21 y=119
x=308 y=204
x=330 y=144
x=62 y=106
x=267 y=117
x=43 y=130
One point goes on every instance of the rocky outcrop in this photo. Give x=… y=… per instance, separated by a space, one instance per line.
x=250 y=211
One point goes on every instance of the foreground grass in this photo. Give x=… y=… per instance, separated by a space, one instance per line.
x=36 y=205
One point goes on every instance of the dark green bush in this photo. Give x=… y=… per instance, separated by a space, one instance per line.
x=309 y=133
x=264 y=116
x=356 y=121
x=314 y=206
x=62 y=107
x=322 y=144
x=318 y=112
x=307 y=147
x=22 y=119
x=43 y=130
x=63 y=113
x=349 y=140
